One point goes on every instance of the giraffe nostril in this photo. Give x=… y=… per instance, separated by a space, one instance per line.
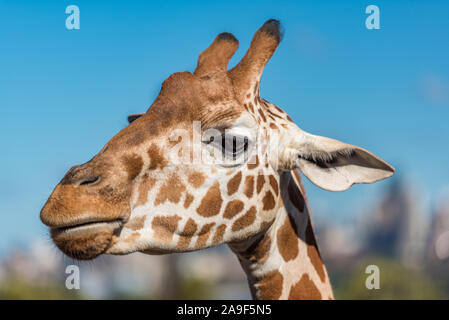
x=89 y=181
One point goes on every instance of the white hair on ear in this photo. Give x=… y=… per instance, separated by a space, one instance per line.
x=326 y=156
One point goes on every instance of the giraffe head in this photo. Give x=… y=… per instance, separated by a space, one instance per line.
x=201 y=167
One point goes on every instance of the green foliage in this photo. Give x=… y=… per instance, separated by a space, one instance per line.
x=195 y=289
x=16 y=289
x=396 y=282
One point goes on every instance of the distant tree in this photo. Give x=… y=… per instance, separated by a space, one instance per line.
x=396 y=282
x=16 y=289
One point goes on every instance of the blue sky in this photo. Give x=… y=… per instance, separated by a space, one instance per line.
x=64 y=94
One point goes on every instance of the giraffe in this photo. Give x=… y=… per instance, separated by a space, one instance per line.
x=210 y=163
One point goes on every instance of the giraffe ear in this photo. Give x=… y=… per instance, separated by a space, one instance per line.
x=334 y=165
x=134 y=116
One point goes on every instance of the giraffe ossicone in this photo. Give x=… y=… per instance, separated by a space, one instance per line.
x=164 y=184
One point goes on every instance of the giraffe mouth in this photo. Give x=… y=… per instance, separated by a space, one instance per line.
x=87 y=240
x=87 y=226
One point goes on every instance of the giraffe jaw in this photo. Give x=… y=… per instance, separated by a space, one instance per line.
x=85 y=241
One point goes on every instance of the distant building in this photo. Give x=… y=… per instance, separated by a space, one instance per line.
x=398 y=226
x=438 y=244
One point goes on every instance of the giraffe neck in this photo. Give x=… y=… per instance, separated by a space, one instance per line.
x=284 y=261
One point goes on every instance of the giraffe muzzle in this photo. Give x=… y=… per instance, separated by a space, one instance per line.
x=86 y=241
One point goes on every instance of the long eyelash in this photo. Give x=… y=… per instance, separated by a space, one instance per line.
x=223 y=141
x=233 y=149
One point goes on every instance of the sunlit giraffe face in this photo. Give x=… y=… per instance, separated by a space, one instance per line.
x=201 y=167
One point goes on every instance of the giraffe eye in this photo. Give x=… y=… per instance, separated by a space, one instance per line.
x=231 y=145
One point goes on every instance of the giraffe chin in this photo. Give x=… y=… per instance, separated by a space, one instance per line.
x=85 y=242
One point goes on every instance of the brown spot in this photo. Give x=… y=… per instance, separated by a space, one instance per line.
x=219 y=233
x=246 y=220
x=260 y=182
x=279 y=109
x=186 y=234
x=270 y=286
x=284 y=125
x=196 y=179
x=289 y=119
x=248 y=95
x=189 y=228
x=233 y=208
x=273 y=126
x=173 y=143
x=287 y=239
x=171 y=190
x=157 y=159
x=304 y=289
x=165 y=227
x=188 y=200
x=274 y=184
x=204 y=235
x=147 y=183
x=136 y=223
x=253 y=163
x=211 y=202
x=234 y=183
x=251 y=107
x=295 y=195
x=273 y=114
x=313 y=252
x=268 y=201
x=249 y=186
x=133 y=165
x=262 y=115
